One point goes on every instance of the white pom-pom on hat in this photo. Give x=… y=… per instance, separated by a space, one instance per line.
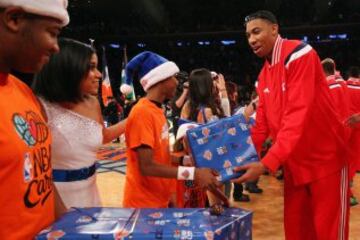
x=126 y=89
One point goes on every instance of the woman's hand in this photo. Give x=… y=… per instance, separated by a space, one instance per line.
x=220 y=82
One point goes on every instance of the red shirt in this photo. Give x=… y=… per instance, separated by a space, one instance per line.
x=295 y=110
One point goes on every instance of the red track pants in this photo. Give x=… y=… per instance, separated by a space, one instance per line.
x=318 y=210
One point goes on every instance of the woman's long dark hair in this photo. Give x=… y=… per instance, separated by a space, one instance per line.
x=232 y=89
x=201 y=93
x=60 y=78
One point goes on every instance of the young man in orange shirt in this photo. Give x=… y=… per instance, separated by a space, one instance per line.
x=150 y=176
x=28 y=31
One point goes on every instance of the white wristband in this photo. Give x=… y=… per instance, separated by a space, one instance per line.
x=186 y=173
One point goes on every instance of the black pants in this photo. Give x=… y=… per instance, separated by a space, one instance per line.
x=238 y=190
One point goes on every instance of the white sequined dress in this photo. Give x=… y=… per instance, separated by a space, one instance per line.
x=75 y=140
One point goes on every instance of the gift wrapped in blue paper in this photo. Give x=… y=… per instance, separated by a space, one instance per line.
x=222 y=145
x=172 y=223
x=193 y=223
x=92 y=223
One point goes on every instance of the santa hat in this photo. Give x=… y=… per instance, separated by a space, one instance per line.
x=183 y=128
x=150 y=68
x=48 y=8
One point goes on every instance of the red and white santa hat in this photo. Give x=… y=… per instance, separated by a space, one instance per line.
x=48 y=8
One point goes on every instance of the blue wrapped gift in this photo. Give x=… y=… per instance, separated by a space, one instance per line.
x=92 y=223
x=172 y=223
x=222 y=145
x=193 y=223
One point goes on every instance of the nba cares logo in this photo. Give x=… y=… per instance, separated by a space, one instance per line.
x=30 y=128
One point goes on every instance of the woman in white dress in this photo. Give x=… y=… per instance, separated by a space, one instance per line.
x=67 y=87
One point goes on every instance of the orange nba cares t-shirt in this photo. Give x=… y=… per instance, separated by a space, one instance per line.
x=26 y=199
x=146 y=125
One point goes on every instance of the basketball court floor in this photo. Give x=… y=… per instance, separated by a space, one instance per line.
x=267 y=207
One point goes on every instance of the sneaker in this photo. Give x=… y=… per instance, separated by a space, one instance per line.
x=280 y=176
x=353 y=201
x=253 y=189
x=242 y=198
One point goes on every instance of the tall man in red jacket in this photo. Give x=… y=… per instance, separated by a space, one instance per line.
x=295 y=110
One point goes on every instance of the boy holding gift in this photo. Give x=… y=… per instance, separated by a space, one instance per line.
x=149 y=177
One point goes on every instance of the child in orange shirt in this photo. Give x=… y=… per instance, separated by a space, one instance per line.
x=150 y=176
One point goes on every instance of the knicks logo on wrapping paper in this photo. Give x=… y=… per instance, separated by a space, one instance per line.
x=30 y=128
x=205 y=131
x=232 y=131
x=54 y=235
x=227 y=164
x=207 y=155
x=156 y=215
x=121 y=234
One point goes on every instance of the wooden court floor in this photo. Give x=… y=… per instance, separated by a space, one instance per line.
x=267 y=207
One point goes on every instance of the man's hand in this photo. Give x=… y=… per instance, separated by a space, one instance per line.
x=206 y=178
x=353 y=120
x=252 y=172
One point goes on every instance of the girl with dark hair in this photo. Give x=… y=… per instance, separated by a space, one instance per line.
x=67 y=87
x=202 y=107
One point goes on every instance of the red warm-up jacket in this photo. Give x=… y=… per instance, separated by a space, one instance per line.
x=339 y=96
x=353 y=85
x=295 y=109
